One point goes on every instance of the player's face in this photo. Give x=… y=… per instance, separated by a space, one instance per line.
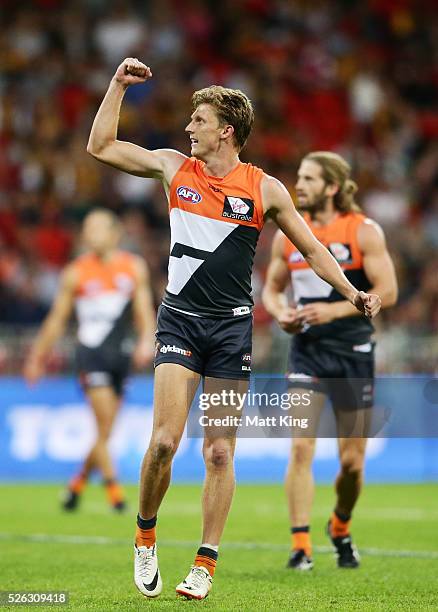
x=204 y=131
x=99 y=233
x=310 y=186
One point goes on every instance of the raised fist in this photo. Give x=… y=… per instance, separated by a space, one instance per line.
x=131 y=71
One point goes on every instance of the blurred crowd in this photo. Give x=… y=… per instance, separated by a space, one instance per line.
x=359 y=78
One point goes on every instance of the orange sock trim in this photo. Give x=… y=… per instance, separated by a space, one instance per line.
x=77 y=484
x=302 y=541
x=207 y=562
x=339 y=528
x=145 y=537
x=114 y=492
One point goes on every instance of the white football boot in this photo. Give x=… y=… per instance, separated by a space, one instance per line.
x=197 y=585
x=146 y=573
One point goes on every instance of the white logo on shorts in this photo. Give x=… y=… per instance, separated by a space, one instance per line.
x=299 y=376
x=241 y=310
x=171 y=348
x=97 y=379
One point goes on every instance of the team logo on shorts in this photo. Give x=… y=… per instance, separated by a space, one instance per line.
x=246 y=362
x=240 y=209
x=171 y=348
x=300 y=376
x=188 y=194
x=341 y=252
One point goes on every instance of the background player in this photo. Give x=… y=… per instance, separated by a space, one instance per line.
x=217 y=209
x=331 y=339
x=108 y=288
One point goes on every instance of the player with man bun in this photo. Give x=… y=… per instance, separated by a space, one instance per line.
x=332 y=352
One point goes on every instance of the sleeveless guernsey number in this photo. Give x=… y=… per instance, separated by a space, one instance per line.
x=193 y=239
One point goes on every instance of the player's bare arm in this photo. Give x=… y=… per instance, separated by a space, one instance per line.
x=103 y=144
x=144 y=316
x=278 y=205
x=52 y=328
x=379 y=269
x=274 y=297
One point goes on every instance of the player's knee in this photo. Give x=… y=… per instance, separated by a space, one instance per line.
x=352 y=463
x=162 y=449
x=104 y=433
x=302 y=452
x=218 y=456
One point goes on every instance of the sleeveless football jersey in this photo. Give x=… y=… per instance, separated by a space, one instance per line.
x=215 y=224
x=103 y=299
x=340 y=238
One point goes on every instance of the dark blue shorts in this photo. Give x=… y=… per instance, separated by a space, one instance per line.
x=102 y=367
x=219 y=348
x=347 y=380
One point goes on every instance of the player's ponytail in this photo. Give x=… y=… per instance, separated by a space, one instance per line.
x=336 y=171
x=346 y=202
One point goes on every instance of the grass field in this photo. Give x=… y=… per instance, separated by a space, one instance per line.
x=89 y=553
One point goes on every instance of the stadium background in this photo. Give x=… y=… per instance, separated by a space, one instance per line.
x=356 y=77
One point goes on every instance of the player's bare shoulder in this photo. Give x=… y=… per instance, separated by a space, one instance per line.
x=70 y=275
x=274 y=194
x=172 y=161
x=141 y=269
x=370 y=235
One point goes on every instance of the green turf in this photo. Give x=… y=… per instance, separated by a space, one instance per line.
x=251 y=572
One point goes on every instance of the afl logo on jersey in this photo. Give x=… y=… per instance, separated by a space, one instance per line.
x=341 y=252
x=124 y=283
x=93 y=287
x=188 y=194
x=241 y=209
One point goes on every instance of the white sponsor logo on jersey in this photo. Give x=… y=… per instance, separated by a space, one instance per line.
x=241 y=209
x=238 y=205
x=340 y=251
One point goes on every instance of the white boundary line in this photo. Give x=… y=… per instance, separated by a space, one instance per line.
x=46 y=538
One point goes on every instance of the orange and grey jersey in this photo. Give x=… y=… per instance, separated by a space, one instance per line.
x=340 y=238
x=215 y=224
x=103 y=299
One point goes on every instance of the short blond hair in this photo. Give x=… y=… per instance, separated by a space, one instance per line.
x=232 y=106
x=336 y=171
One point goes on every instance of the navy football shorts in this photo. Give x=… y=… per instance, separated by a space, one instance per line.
x=348 y=380
x=102 y=367
x=218 y=348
